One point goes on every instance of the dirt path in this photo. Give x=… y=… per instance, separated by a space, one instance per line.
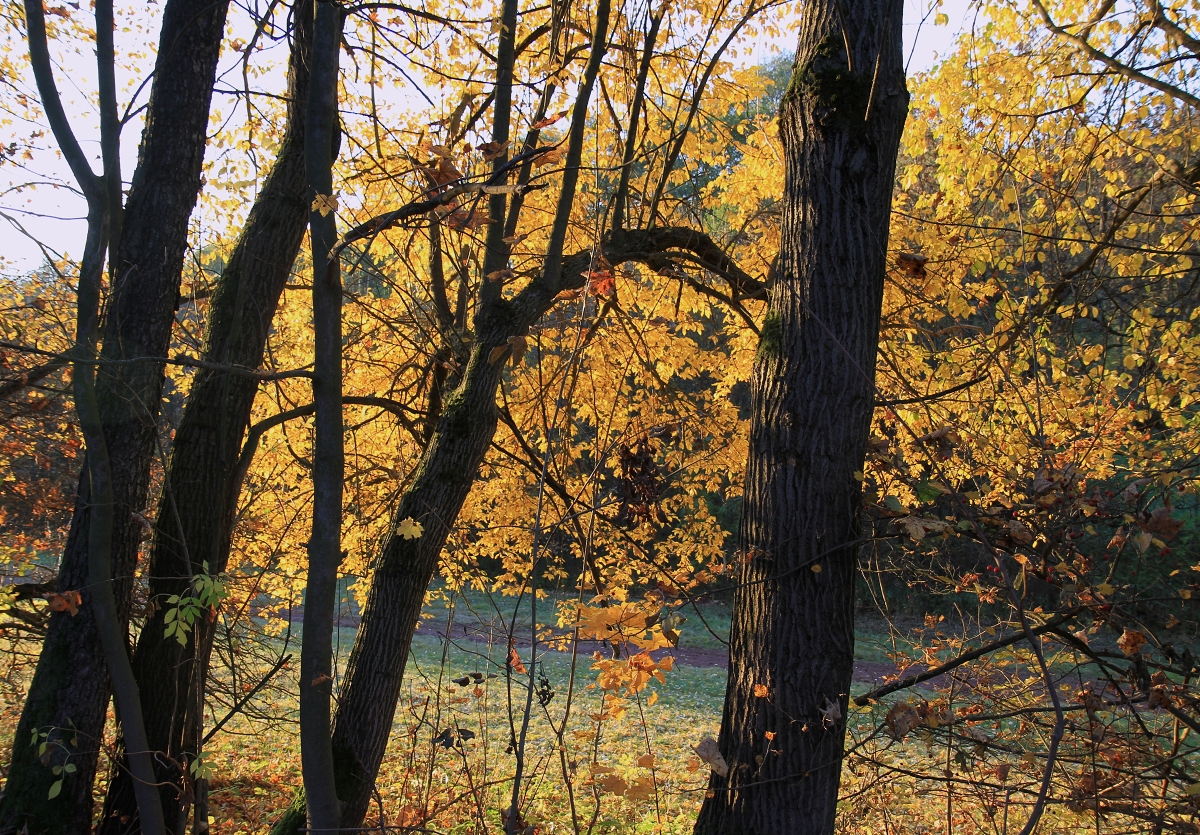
x=865 y=672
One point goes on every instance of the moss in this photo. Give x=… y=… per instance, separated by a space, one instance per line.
x=770 y=341
x=839 y=96
x=293 y=821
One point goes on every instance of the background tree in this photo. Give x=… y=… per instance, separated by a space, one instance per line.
x=813 y=393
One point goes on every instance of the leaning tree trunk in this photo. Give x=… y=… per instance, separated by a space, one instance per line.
x=69 y=693
x=792 y=644
x=195 y=520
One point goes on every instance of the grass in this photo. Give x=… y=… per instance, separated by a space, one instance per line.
x=256 y=770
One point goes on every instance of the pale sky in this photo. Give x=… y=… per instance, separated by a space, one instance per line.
x=54 y=215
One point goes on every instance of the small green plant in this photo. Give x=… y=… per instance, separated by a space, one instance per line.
x=200 y=769
x=207 y=592
x=42 y=740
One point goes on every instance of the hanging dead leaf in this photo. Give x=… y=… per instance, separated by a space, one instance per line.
x=1131 y=642
x=601 y=283
x=491 y=150
x=467 y=220
x=552 y=157
x=1161 y=523
x=641 y=789
x=612 y=784
x=549 y=120
x=912 y=263
x=761 y=691
x=707 y=750
x=1019 y=532
x=500 y=275
x=441 y=151
x=518 y=345
x=498 y=353
x=67 y=601
x=831 y=712
x=513 y=240
x=902 y=718
x=321 y=679
x=567 y=295
x=514 y=661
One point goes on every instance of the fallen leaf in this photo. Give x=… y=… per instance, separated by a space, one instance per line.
x=646 y=761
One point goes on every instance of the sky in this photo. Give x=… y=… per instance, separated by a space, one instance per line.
x=53 y=214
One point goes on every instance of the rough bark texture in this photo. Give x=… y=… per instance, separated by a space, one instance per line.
x=195 y=521
x=69 y=693
x=813 y=389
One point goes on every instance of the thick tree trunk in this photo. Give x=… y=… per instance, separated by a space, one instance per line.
x=69 y=693
x=195 y=520
x=813 y=394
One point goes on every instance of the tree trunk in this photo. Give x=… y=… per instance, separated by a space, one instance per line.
x=813 y=394
x=325 y=544
x=195 y=520
x=69 y=693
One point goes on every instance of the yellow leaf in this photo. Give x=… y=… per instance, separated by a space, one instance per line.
x=410 y=528
x=323 y=204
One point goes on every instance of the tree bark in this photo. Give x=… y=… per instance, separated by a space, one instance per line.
x=813 y=390
x=195 y=522
x=324 y=546
x=69 y=692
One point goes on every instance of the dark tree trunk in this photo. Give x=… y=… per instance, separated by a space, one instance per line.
x=813 y=394
x=195 y=519
x=324 y=546
x=69 y=693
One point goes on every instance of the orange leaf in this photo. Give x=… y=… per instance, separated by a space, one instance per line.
x=68 y=601
x=514 y=660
